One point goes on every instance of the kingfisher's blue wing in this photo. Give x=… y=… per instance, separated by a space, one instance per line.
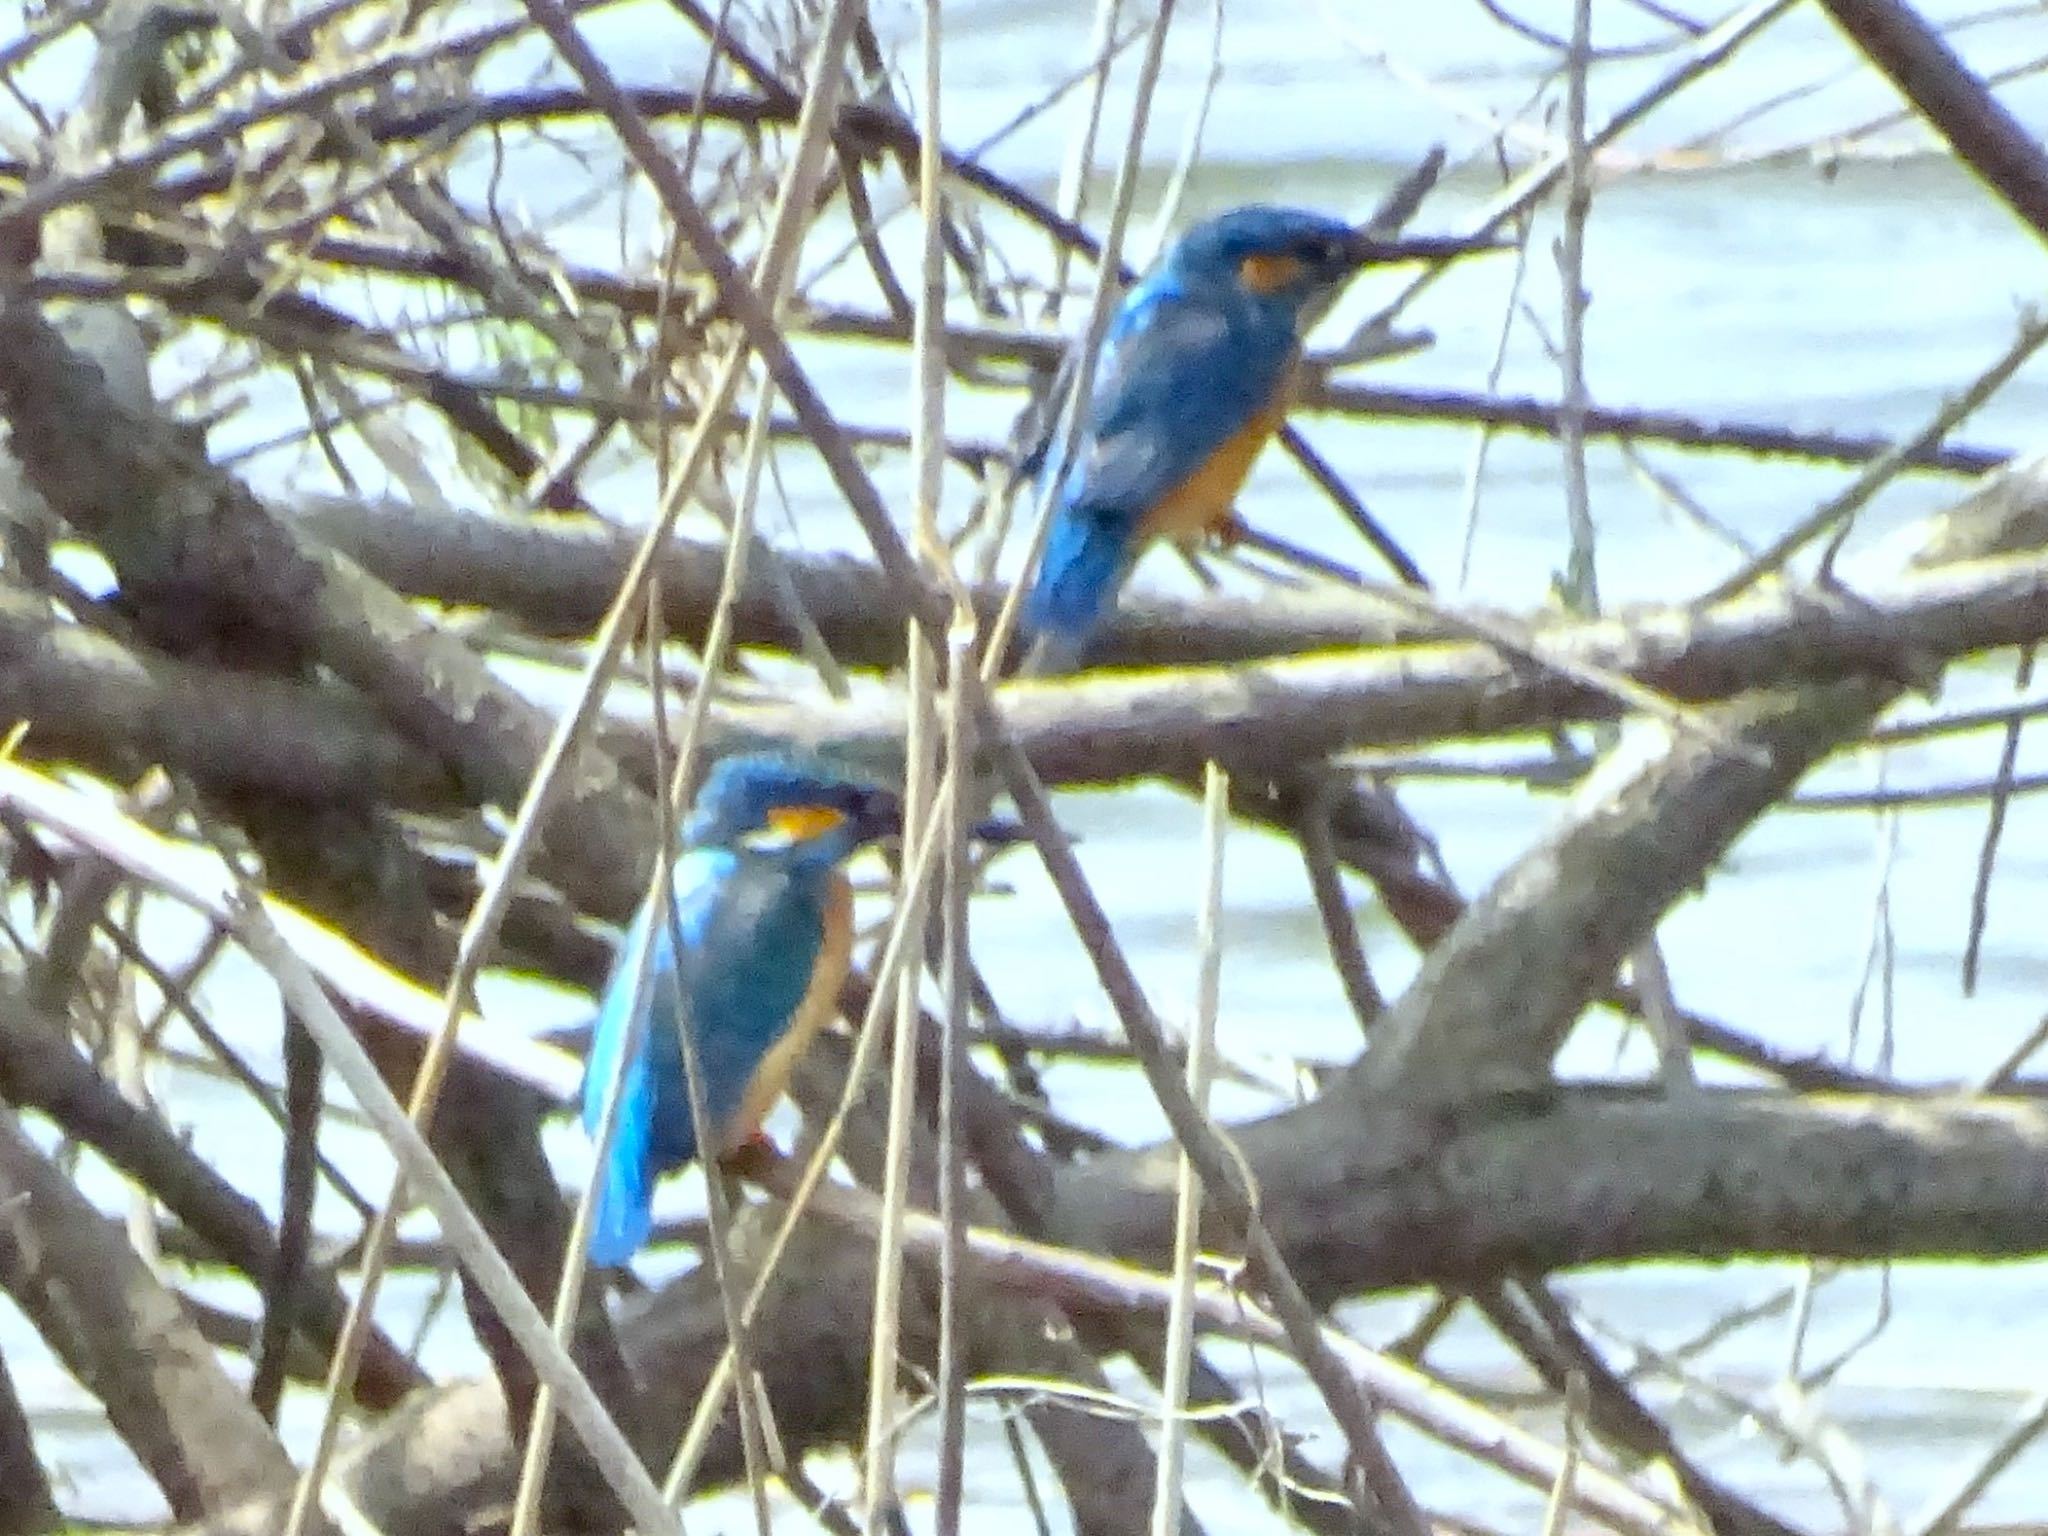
x=654 y=1131
x=1177 y=380
x=750 y=937
x=625 y=1193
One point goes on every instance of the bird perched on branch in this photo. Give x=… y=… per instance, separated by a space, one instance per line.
x=751 y=953
x=1194 y=378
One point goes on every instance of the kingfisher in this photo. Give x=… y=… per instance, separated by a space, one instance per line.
x=1195 y=376
x=752 y=951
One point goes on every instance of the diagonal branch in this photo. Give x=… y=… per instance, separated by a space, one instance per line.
x=40 y=1070
x=205 y=564
x=127 y=1339
x=1496 y=997
x=1917 y=59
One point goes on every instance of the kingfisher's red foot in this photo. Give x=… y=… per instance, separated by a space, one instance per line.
x=1230 y=531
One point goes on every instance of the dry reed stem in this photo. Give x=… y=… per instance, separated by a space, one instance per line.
x=1180 y=1338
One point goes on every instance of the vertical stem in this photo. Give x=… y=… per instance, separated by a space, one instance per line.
x=916 y=875
x=1582 y=590
x=957 y=984
x=928 y=323
x=298 y=1183
x=1559 y=1506
x=1168 y=210
x=1994 y=829
x=1581 y=581
x=128 y=1058
x=1073 y=189
x=421 y=1170
x=928 y=450
x=717 y=1195
x=1180 y=1321
x=878 y=1466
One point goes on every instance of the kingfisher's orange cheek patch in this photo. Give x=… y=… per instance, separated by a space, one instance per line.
x=1269 y=274
x=799 y=823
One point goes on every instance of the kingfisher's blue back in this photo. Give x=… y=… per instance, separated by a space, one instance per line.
x=1191 y=383
x=1180 y=375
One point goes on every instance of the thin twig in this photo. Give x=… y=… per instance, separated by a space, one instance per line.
x=527 y=1507
x=718 y=1200
x=1086 y=1280
x=1073 y=419
x=1581 y=585
x=1377 y=1489
x=1994 y=827
x=1836 y=515
x=917 y=871
x=1944 y=1514
x=1179 y=1346
x=956 y=982
x=298 y=1183
x=1562 y=1491
x=1167 y=213
x=878 y=1467
x=1927 y=71
x=1482 y=443
x=1333 y=906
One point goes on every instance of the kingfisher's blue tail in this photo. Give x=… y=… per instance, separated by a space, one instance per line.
x=1085 y=563
x=625 y=1192
x=624 y=1217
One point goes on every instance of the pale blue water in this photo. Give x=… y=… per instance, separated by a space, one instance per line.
x=1770 y=292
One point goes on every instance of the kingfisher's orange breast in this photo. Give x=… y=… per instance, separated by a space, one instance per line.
x=813 y=1013
x=1200 y=503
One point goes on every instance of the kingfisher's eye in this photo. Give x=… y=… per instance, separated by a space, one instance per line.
x=1320 y=251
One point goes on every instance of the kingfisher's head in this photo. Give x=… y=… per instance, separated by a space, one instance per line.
x=1292 y=259
x=791 y=805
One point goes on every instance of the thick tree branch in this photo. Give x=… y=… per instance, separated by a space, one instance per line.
x=1593 y=1177
x=557 y=576
x=27 y=1506
x=89 y=697
x=429 y=1469
x=1107 y=1468
x=1961 y=108
x=1363 y=1203
x=1273 y=715
x=1496 y=997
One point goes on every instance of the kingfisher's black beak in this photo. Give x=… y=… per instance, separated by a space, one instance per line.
x=876 y=814
x=1366 y=249
x=999 y=832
